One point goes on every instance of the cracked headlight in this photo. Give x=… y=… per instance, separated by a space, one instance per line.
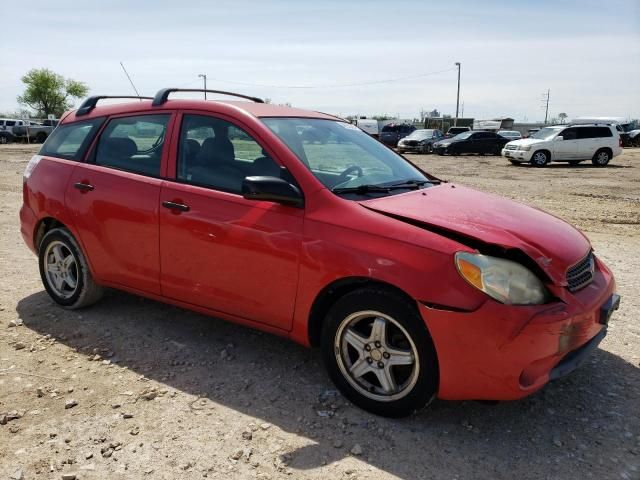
x=503 y=280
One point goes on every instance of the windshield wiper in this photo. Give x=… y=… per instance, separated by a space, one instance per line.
x=412 y=183
x=362 y=189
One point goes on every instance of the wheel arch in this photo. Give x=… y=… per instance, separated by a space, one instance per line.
x=337 y=289
x=43 y=226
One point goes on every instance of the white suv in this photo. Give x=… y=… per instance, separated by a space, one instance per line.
x=566 y=143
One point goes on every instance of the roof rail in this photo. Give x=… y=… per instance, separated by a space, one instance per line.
x=163 y=94
x=90 y=103
x=608 y=123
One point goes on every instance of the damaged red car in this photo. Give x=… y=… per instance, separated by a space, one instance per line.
x=299 y=224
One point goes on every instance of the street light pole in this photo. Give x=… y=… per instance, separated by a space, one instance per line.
x=204 y=77
x=455 y=122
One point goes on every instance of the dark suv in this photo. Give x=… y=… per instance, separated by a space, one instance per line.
x=393 y=132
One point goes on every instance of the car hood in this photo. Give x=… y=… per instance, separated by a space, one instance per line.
x=526 y=141
x=462 y=213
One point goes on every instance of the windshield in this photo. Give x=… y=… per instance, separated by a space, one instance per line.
x=509 y=134
x=545 y=133
x=341 y=155
x=419 y=134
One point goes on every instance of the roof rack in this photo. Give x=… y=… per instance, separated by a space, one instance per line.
x=90 y=103
x=163 y=94
x=608 y=123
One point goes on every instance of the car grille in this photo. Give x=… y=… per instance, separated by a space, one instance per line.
x=581 y=274
x=511 y=147
x=411 y=143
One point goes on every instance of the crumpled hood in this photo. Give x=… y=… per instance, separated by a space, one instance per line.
x=550 y=242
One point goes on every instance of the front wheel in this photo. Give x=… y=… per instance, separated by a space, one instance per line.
x=540 y=159
x=64 y=271
x=379 y=353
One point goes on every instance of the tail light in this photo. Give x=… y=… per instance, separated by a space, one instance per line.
x=31 y=166
x=620 y=141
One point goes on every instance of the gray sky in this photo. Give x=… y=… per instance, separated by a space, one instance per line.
x=587 y=52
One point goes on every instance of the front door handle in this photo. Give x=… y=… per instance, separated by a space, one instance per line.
x=181 y=207
x=83 y=187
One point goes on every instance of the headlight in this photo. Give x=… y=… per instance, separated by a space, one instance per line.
x=525 y=148
x=505 y=281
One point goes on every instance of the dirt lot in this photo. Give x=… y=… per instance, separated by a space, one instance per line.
x=165 y=393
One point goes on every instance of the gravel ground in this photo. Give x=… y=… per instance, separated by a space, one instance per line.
x=132 y=388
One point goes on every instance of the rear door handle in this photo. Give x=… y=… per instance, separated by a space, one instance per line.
x=83 y=187
x=181 y=207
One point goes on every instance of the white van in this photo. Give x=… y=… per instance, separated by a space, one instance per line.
x=368 y=126
x=567 y=143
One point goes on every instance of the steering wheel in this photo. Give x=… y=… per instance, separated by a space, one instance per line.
x=353 y=168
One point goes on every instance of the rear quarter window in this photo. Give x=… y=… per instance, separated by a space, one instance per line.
x=71 y=141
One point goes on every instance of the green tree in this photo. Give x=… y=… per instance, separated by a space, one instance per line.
x=562 y=116
x=48 y=92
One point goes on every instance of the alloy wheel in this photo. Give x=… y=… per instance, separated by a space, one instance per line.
x=376 y=355
x=61 y=269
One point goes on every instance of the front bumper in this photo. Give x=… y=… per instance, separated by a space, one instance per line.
x=411 y=148
x=517 y=155
x=502 y=352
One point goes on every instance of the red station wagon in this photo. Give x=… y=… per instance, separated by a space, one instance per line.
x=413 y=287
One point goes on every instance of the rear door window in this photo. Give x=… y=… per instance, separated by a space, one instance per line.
x=70 y=141
x=133 y=144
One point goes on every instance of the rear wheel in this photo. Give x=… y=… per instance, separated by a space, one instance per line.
x=64 y=271
x=601 y=157
x=540 y=158
x=379 y=353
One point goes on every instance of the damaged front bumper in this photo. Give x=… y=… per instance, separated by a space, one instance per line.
x=503 y=352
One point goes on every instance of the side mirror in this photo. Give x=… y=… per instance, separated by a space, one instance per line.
x=272 y=189
x=558 y=138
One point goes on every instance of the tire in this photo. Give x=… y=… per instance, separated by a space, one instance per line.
x=540 y=158
x=59 y=252
x=41 y=137
x=350 y=342
x=601 y=157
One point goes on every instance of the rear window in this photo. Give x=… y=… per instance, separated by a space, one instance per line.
x=390 y=128
x=71 y=140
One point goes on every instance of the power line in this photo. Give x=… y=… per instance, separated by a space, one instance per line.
x=337 y=85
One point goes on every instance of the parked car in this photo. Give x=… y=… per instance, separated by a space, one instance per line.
x=393 y=132
x=634 y=138
x=8 y=124
x=567 y=143
x=471 y=142
x=412 y=287
x=34 y=132
x=6 y=137
x=453 y=131
x=510 y=134
x=419 y=141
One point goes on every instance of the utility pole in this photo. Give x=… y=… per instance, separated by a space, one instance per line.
x=204 y=77
x=462 y=110
x=545 y=98
x=455 y=122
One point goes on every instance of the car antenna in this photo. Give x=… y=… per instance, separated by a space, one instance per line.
x=130 y=81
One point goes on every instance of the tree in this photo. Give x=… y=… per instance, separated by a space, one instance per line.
x=48 y=92
x=562 y=116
